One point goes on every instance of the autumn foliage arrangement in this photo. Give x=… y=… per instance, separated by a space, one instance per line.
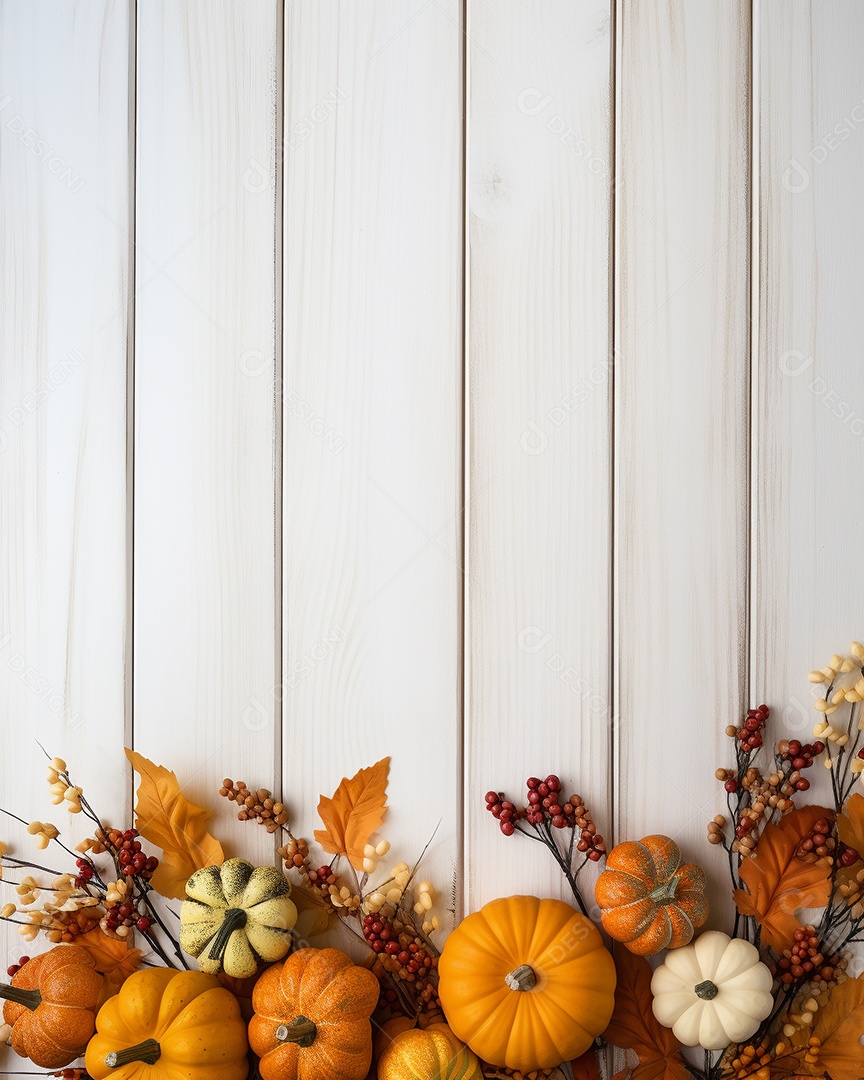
x=164 y=958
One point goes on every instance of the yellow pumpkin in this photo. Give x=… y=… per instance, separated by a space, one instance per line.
x=169 y=1025
x=431 y=1054
x=527 y=983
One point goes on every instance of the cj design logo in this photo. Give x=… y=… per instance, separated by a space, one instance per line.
x=257 y=177
x=255 y=716
x=795 y=177
x=534 y=439
x=794 y=363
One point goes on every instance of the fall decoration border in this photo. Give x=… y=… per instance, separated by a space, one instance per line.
x=800 y=1011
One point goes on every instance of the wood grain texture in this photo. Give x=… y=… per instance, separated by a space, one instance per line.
x=682 y=406
x=65 y=200
x=540 y=167
x=206 y=534
x=373 y=412
x=810 y=421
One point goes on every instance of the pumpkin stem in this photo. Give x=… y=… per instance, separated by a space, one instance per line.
x=31 y=998
x=148 y=1051
x=706 y=990
x=664 y=893
x=235 y=919
x=521 y=978
x=301 y=1030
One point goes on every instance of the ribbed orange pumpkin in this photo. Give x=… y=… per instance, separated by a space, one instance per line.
x=649 y=900
x=51 y=1006
x=431 y=1054
x=527 y=983
x=388 y=1031
x=311 y=1018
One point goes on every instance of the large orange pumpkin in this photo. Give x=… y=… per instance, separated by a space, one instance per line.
x=433 y=1053
x=311 y=1017
x=527 y=983
x=51 y=1006
x=650 y=900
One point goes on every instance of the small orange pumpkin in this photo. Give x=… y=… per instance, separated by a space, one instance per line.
x=431 y=1054
x=311 y=1017
x=388 y=1032
x=527 y=983
x=51 y=1006
x=649 y=899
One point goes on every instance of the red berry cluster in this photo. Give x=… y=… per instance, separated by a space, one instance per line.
x=410 y=955
x=800 y=755
x=126 y=914
x=504 y=811
x=13 y=969
x=804 y=960
x=750 y=734
x=133 y=861
x=847 y=856
x=546 y=804
x=818 y=843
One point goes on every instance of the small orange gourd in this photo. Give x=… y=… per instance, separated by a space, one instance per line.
x=387 y=1032
x=169 y=1025
x=311 y=1017
x=649 y=898
x=527 y=983
x=51 y=1006
x=433 y=1053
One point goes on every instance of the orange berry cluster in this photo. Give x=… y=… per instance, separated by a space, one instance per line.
x=818 y=843
x=258 y=806
x=805 y=959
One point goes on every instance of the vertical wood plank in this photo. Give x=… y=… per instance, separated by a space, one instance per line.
x=810 y=381
x=540 y=166
x=682 y=411
x=65 y=211
x=206 y=533
x=373 y=411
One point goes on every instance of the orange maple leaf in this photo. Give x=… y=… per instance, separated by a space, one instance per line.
x=839 y=1026
x=113 y=958
x=165 y=817
x=851 y=824
x=354 y=813
x=634 y=1026
x=778 y=883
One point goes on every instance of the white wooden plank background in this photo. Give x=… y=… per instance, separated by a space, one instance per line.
x=326 y=254
x=809 y=415
x=539 y=351
x=373 y=411
x=65 y=213
x=681 y=411
x=206 y=458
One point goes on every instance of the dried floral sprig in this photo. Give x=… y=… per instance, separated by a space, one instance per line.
x=547 y=817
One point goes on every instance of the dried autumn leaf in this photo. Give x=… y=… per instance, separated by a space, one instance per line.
x=851 y=824
x=778 y=883
x=586 y=1067
x=165 y=817
x=634 y=1026
x=113 y=958
x=839 y=1026
x=314 y=917
x=354 y=813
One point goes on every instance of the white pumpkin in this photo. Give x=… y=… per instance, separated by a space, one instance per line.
x=713 y=992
